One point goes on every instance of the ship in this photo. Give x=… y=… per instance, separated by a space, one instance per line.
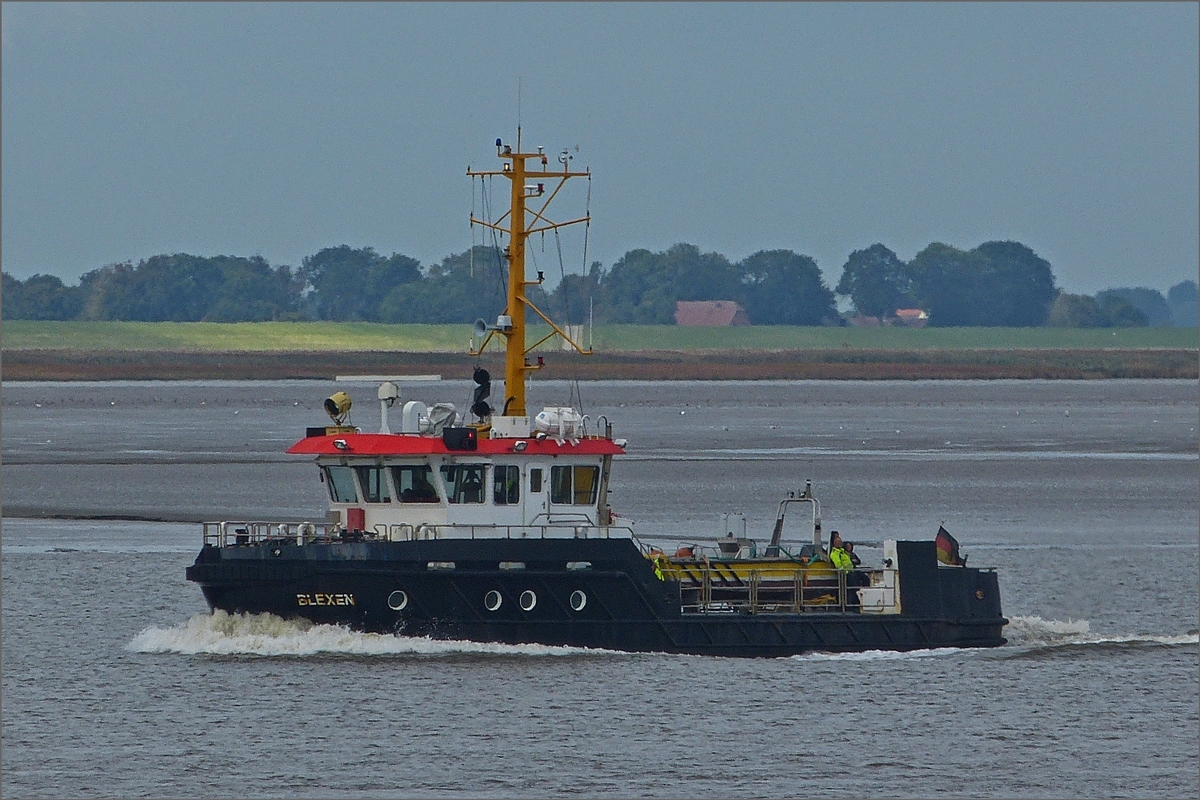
x=493 y=525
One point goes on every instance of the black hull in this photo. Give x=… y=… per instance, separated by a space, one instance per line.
x=627 y=607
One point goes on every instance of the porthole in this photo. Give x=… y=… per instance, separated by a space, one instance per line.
x=528 y=600
x=492 y=600
x=397 y=600
x=578 y=600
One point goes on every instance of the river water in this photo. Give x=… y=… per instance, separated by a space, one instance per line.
x=116 y=681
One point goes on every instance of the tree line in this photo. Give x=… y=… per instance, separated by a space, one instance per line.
x=994 y=284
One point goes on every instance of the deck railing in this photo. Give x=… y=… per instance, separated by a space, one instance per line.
x=233 y=533
x=711 y=591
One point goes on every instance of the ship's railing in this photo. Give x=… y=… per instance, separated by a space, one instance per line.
x=565 y=530
x=248 y=532
x=763 y=591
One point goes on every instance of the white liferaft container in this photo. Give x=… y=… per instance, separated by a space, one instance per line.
x=560 y=421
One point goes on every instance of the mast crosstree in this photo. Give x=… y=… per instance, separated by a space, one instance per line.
x=520 y=222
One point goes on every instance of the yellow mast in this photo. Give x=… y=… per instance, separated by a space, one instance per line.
x=526 y=183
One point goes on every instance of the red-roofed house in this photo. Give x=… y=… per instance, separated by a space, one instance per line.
x=912 y=317
x=710 y=313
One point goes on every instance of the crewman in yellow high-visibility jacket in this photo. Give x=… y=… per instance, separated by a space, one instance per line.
x=842 y=561
x=656 y=558
x=837 y=553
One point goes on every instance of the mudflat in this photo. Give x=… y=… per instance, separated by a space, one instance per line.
x=828 y=363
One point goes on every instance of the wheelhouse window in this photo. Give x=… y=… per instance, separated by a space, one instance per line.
x=464 y=482
x=340 y=481
x=506 y=485
x=374 y=483
x=575 y=485
x=415 y=483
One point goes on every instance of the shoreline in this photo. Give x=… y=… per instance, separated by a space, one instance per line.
x=741 y=364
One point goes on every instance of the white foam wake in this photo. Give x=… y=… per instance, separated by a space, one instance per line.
x=881 y=655
x=1037 y=632
x=226 y=634
x=1027 y=632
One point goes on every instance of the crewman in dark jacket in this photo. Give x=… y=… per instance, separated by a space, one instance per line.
x=854 y=559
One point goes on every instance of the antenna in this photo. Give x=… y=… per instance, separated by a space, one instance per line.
x=518 y=226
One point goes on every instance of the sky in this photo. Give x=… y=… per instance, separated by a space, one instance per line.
x=275 y=129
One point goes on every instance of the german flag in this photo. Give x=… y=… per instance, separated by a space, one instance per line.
x=947 y=549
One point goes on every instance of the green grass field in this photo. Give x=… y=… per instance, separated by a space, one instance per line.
x=362 y=336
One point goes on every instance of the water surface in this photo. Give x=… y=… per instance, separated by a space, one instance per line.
x=118 y=682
